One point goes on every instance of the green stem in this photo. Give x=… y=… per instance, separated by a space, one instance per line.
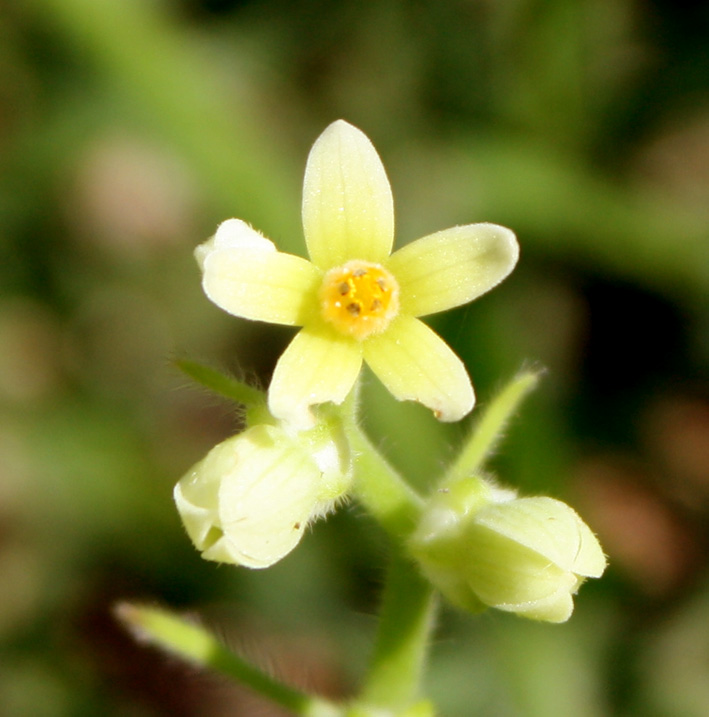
x=382 y=491
x=406 y=620
x=488 y=432
x=192 y=643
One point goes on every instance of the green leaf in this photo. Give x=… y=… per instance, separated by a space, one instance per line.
x=194 y=644
x=488 y=431
x=222 y=384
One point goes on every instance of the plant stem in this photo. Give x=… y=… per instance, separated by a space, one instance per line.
x=196 y=645
x=382 y=491
x=406 y=620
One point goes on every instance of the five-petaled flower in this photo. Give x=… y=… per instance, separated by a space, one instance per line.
x=355 y=299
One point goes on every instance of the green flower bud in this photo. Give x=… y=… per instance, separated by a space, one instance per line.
x=484 y=547
x=249 y=501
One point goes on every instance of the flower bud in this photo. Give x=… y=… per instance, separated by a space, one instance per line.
x=484 y=547
x=249 y=501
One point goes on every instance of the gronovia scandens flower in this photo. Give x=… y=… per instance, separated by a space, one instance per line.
x=355 y=299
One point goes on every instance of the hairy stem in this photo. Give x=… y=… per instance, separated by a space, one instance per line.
x=406 y=621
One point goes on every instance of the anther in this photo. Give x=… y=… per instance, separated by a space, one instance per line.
x=359 y=298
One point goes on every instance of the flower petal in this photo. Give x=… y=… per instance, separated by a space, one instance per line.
x=262 y=284
x=550 y=528
x=198 y=516
x=319 y=365
x=236 y=234
x=590 y=561
x=555 y=608
x=505 y=574
x=452 y=267
x=415 y=364
x=266 y=501
x=348 y=210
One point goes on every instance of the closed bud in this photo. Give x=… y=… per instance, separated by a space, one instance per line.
x=249 y=501
x=484 y=547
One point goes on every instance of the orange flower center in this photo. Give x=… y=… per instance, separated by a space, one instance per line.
x=359 y=298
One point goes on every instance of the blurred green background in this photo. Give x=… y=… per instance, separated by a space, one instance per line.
x=130 y=128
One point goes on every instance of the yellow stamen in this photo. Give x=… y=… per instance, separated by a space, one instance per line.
x=359 y=298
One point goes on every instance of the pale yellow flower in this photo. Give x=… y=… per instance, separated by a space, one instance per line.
x=355 y=299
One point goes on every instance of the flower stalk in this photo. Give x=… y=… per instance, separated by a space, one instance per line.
x=379 y=488
x=406 y=620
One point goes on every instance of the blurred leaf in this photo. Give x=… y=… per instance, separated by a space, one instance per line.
x=222 y=384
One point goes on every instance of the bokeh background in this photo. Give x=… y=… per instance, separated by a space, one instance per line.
x=130 y=128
